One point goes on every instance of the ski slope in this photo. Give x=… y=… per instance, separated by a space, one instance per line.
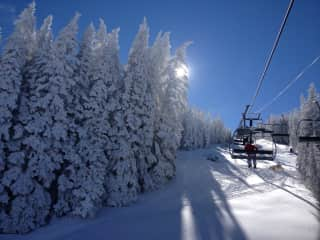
x=220 y=199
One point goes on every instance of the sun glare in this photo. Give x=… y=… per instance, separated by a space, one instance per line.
x=182 y=71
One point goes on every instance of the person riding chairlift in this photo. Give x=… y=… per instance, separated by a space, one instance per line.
x=251 y=150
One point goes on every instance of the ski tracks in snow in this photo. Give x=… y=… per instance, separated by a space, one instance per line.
x=237 y=180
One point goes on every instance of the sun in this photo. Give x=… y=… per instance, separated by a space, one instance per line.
x=182 y=71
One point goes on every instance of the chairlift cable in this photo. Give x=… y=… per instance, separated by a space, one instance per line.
x=240 y=132
x=262 y=77
x=288 y=85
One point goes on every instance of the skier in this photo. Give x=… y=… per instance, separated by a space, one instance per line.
x=251 y=151
x=245 y=140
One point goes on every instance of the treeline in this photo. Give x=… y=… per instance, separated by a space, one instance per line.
x=304 y=122
x=201 y=130
x=79 y=130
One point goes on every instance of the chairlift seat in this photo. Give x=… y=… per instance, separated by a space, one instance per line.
x=243 y=131
x=262 y=130
x=309 y=139
x=238 y=143
x=315 y=137
x=268 y=158
x=280 y=135
x=270 y=152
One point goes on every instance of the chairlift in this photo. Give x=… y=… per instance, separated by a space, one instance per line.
x=270 y=128
x=241 y=136
x=312 y=134
x=251 y=126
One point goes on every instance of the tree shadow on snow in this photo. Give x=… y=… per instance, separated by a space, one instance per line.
x=205 y=212
x=192 y=206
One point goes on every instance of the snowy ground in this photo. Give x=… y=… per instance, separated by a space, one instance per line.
x=207 y=200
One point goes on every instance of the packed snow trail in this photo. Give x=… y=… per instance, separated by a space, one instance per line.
x=220 y=199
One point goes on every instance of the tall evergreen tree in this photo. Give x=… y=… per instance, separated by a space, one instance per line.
x=16 y=210
x=88 y=170
x=63 y=132
x=173 y=104
x=309 y=152
x=122 y=179
x=293 y=124
x=139 y=117
x=159 y=56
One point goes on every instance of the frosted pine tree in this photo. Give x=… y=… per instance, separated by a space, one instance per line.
x=100 y=106
x=87 y=59
x=139 y=106
x=38 y=202
x=159 y=56
x=309 y=152
x=201 y=131
x=76 y=128
x=186 y=139
x=24 y=201
x=219 y=130
x=293 y=124
x=63 y=132
x=86 y=170
x=32 y=116
x=174 y=103
x=207 y=128
x=122 y=180
x=15 y=56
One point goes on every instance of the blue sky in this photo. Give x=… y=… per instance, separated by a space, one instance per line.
x=232 y=40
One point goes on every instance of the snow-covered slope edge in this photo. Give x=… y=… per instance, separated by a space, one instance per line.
x=207 y=200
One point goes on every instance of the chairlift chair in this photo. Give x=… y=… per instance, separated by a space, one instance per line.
x=243 y=132
x=312 y=134
x=236 y=148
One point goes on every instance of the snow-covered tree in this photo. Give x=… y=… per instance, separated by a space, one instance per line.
x=201 y=131
x=99 y=146
x=174 y=104
x=188 y=128
x=121 y=181
x=309 y=152
x=61 y=93
x=159 y=58
x=139 y=106
x=293 y=124
x=87 y=166
x=79 y=130
x=22 y=200
x=16 y=53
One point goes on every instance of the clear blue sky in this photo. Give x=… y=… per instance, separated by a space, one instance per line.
x=231 y=42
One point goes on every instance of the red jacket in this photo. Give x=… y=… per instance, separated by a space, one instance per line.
x=250 y=148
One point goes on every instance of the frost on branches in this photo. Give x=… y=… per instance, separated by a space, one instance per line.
x=309 y=152
x=78 y=130
x=24 y=204
x=304 y=122
x=201 y=130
